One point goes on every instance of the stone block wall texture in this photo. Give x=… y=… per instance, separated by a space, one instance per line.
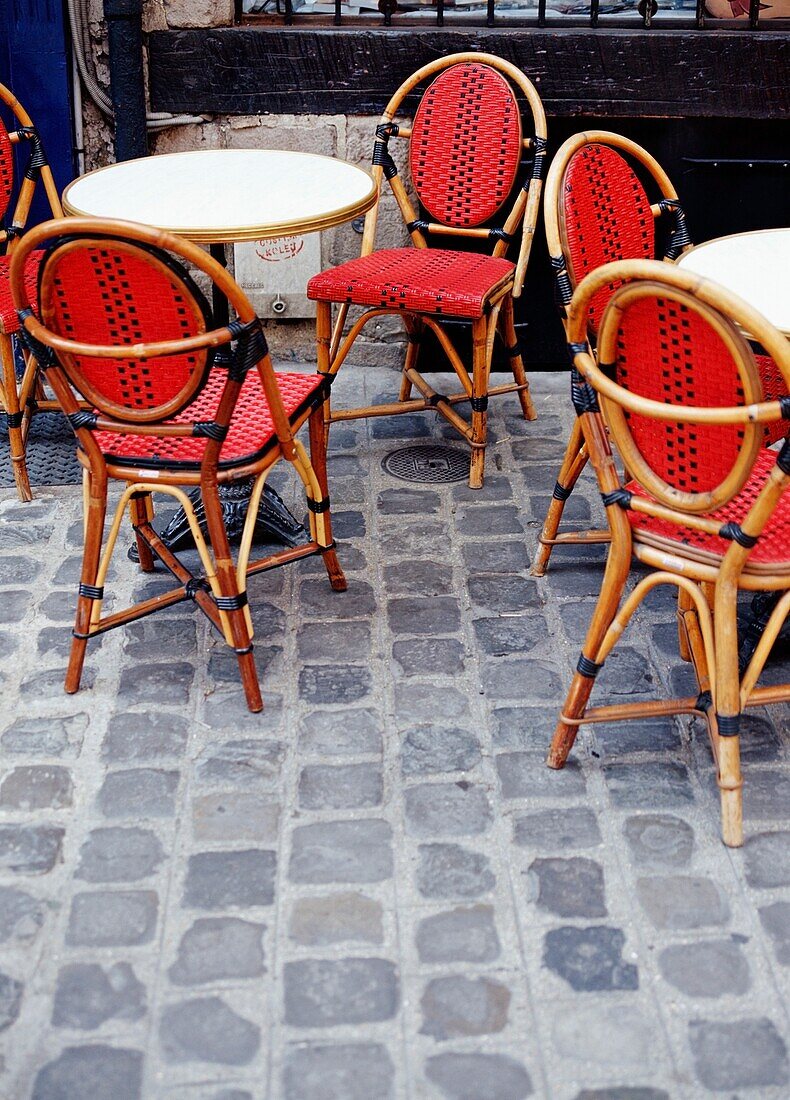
x=347 y=137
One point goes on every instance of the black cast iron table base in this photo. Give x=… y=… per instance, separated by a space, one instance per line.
x=274 y=523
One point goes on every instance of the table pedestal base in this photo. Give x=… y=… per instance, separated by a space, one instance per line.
x=274 y=523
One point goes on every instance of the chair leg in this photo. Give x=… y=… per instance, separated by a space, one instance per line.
x=229 y=588
x=95 y=497
x=685 y=603
x=141 y=507
x=728 y=706
x=614 y=579
x=414 y=330
x=15 y=438
x=516 y=362
x=323 y=336
x=318 y=461
x=573 y=463
x=479 y=401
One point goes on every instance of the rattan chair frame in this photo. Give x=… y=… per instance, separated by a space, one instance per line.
x=19 y=399
x=576 y=456
x=707 y=589
x=333 y=347
x=221 y=592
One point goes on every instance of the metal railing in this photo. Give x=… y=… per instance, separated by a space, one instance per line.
x=500 y=14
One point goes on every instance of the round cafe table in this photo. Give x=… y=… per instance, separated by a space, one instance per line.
x=755 y=266
x=219 y=197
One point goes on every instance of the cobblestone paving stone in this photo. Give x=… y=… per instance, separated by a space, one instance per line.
x=375 y=890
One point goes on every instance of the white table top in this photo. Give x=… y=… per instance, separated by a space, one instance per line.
x=755 y=266
x=224 y=195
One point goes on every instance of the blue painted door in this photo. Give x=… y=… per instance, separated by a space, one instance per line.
x=35 y=64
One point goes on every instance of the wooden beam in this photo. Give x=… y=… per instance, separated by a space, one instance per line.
x=579 y=72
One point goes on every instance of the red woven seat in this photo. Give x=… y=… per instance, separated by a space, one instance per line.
x=421 y=280
x=773 y=546
x=251 y=431
x=8 y=318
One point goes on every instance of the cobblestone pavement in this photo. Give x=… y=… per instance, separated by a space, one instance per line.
x=376 y=889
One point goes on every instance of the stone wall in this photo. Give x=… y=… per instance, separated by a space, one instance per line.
x=348 y=137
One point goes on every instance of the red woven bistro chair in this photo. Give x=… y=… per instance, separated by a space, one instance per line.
x=597 y=210
x=676 y=393
x=18 y=398
x=466 y=144
x=124 y=325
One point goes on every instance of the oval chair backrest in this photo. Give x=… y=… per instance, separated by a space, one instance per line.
x=465 y=145
x=106 y=291
x=6 y=170
x=660 y=343
x=605 y=215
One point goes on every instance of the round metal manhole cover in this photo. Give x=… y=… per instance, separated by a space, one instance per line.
x=435 y=464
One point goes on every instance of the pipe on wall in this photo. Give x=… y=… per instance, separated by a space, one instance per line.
x=127 y=86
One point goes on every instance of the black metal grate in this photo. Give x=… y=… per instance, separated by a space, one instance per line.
x=435 y=464
x=51 y=453
x=504 y=14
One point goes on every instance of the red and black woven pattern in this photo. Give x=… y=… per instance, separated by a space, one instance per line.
x=6 y=169
x=773 y=546
x=774 y=387
x=251 y=429
x=9 y=322
x=108 y=294
x=606 y=215
x=465 y=145
x=669 y=353
x=416 y=280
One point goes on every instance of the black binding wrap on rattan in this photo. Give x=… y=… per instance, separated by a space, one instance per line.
x=511 y=353
x=560 y=492
x=38 y=157
x=231 y=603
x=210 y=429
x=588 y=668
x=195 y=585
x=583 y=396
x=318 y=505
x=92 y=591
x=735 y=533
x=576 y=347
x=419 y=224
x=498 y=234
x=83 y=418
x=621 y=497
x=539 y=145
x=14 y=420
x=382 y=157
x=243 y=652
x=250 y=348
x=783 y=458
x=562 y=279
x=479 y=404
x=704 y=702
x=679 y=237
x=784 y=406
x=729 y=724
x=44 y=356
x=13 y=231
